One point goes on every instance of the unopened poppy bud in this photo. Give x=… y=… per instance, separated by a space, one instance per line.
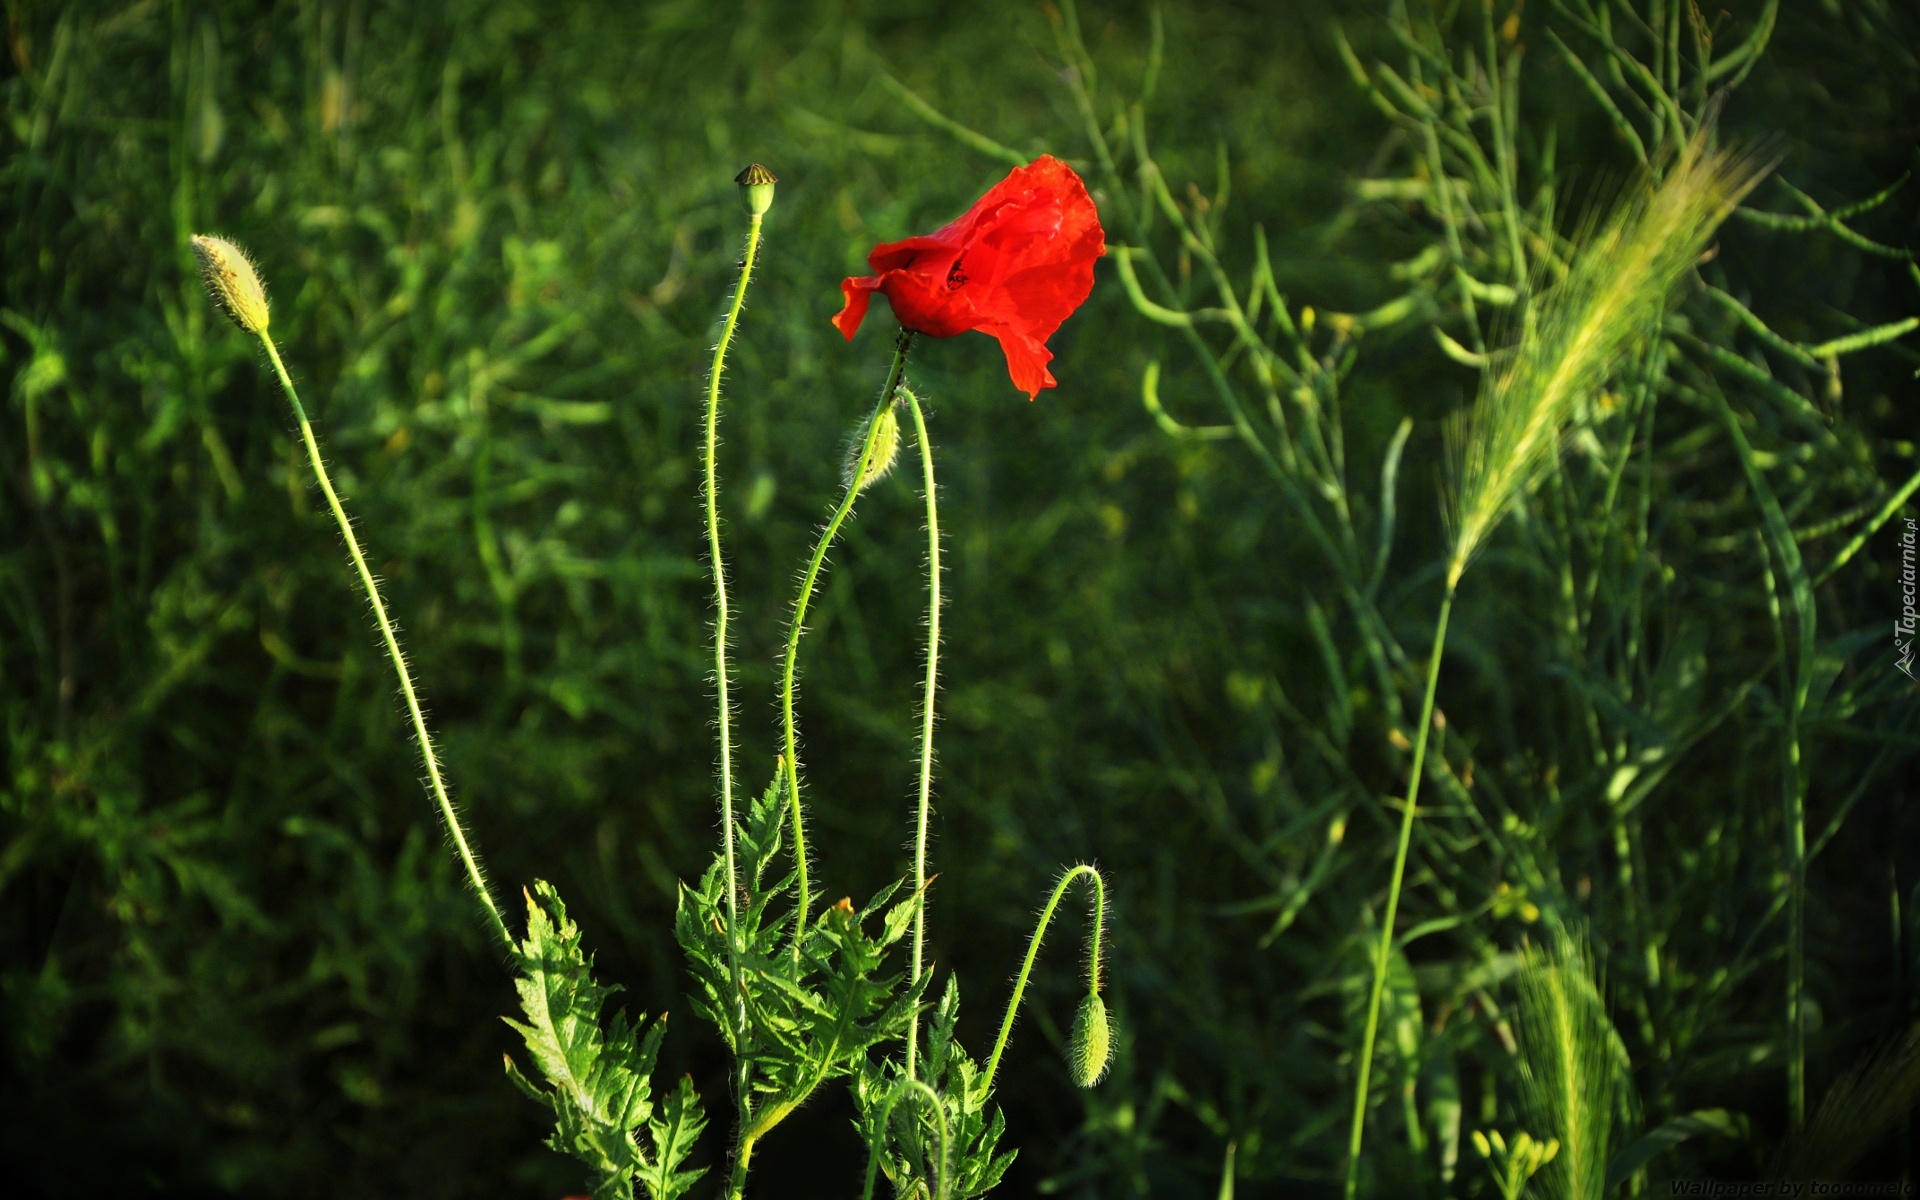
x=1091 y=1044
x=756 y=188
x=232 y=282
x=886 y=448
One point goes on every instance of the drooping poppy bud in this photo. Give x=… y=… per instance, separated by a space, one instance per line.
x=1015 y=266
x=232 y=282
x=1091 y=1044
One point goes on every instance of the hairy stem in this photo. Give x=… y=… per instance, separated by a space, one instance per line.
x=926 y=1094
x=723 y=701
x=802 y=898
x=468 y=858
x=1385 y=947
x=742 y=1156
x=926 y=713
x=1033 y=952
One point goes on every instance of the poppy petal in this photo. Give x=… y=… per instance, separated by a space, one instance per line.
x=1040 y=298
x=1027 y=359
x=921 y=253
x=859 y=294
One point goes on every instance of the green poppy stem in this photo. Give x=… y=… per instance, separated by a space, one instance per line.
x=1033 y=952
x=803 y=897
x=926 y=712
x=448 y=813
x=712 y=496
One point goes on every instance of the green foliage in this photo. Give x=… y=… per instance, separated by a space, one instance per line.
x=795 y=1012
x=599 y=1079
x=951 y=1152
x=1611 y=667
x=1513 y=1169
x=236 y=958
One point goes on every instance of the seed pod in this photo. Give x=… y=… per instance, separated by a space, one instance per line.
x=886 y=448
x=756 y=188
x=1091 y=1045
x=232 y=282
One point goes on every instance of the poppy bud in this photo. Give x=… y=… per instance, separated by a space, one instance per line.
x=886 y=448
x=232 y=282
x=1091 y=1044
x=756 y=188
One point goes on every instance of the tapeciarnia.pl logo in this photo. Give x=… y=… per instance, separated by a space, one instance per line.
x=1903 y=625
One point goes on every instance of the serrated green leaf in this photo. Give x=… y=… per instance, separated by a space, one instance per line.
x=903 y=1133
x=598 y=1079
x=673 y=1135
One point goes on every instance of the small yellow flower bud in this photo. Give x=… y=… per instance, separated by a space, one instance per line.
x=886 y=448
x=1091 y=1044
x=1481 y=1144
x=232 y=282
x=756 y=188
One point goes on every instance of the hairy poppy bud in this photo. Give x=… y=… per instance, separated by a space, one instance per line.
x=756 y=188
x=886 y=448
x=232 y=282
x=1091 y=1044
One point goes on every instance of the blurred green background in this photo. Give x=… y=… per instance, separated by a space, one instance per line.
x=235 y=957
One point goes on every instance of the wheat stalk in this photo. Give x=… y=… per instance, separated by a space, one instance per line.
x=1581 y=332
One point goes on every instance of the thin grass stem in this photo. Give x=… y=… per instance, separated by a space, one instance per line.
x=1385 y=947
x=468 y=858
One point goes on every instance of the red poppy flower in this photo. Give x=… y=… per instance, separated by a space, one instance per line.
x=1015 y=265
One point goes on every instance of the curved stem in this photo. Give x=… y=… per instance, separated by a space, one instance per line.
x=926 y=714
x=712 y=496
x=754 y=1126
x=1385 y=948
x=922 y=1091
x=468 y=859
x=1033 y=951
x=802 y=898
x=737 y=1185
